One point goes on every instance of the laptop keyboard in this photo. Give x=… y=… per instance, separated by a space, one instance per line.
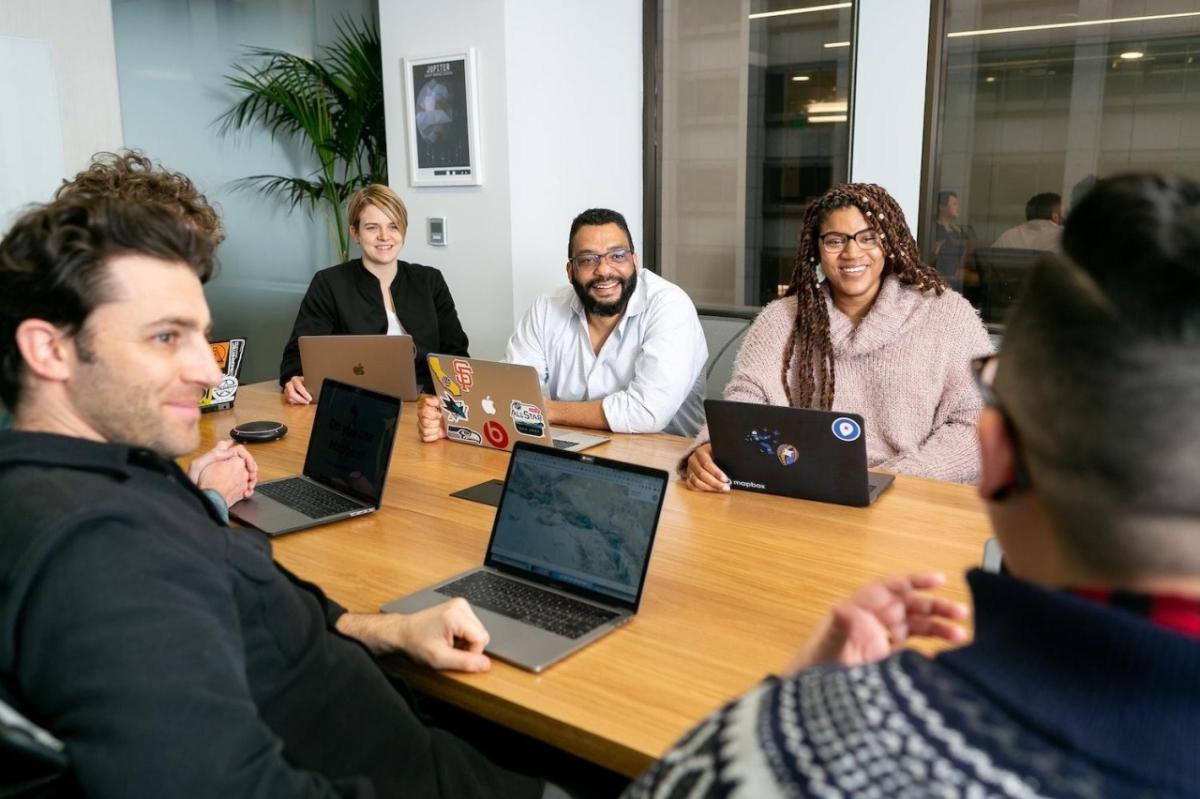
x=311 y=500
x=545 y=610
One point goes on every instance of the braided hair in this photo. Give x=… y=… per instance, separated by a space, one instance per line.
x=810 y=338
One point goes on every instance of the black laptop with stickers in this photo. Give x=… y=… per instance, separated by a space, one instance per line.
x=794 y=452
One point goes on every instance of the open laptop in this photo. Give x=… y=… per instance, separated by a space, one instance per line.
x=567 y=559
x=796 y=452
x=380 y=363
x=497 y=404
x=229 y=353
x=345 y=468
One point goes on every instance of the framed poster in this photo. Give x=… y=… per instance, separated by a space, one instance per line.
x=443 y=121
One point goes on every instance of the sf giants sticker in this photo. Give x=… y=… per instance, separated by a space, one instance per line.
x=443 y=379
x=463 y=434
x=495 y=434
x=464 y=374
x=456 y=409
x=527 y=419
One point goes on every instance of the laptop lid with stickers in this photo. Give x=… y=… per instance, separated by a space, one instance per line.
x=794 y=452
x=493 y=404
x=229 y=354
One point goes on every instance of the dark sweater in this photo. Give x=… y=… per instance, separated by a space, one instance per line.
x=1056 y=696
x=175 y=658
x=346 y=300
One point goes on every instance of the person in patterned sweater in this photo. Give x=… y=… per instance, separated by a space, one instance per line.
x=1083 y=678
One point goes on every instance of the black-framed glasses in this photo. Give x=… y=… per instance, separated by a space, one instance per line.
x=984 y=369
x=618 y=256
x=835 y=242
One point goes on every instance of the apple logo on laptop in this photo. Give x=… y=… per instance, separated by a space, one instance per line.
x=488 y=406
x=359 y=370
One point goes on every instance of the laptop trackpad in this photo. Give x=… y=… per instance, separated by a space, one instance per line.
x=487 y=493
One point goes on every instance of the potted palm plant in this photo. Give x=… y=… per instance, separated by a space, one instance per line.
x=332 y=105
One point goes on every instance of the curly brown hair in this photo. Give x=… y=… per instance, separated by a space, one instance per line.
x=130 y=175
x=810 y=341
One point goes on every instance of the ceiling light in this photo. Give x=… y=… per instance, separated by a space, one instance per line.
x=830 y=45
x=1049 y=26
x=835 y=107
x=990 y=79
x=817 y=120
x=1132 y=55
x=801 y=77
x=785 y=12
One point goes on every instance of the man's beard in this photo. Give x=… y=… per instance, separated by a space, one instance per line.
x=594 y=306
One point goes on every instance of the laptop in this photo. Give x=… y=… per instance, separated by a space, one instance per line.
x=229 y=354
x=795 y=452
x=380 y=363
x=345 y=468
x=568 y=556
x=496 y=405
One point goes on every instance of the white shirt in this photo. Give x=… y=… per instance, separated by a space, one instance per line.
x=394 y=326
x=650 y=371
x=1036 y=234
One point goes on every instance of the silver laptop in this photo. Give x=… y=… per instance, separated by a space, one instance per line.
x=568 y=556
x=345 y=468
x=380 y=363
x=495 y=404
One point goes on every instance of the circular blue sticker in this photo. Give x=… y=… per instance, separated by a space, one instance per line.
x=846 y=429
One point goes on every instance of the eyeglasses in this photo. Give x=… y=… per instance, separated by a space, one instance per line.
x=617 y=256
x=834 y=242
x=984 y=369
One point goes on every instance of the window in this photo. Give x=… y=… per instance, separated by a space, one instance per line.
x=1038 y=99
x=752 y=125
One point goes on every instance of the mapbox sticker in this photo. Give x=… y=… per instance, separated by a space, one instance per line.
x=846 y=429
x=464 y=374
x=456 y=409
x=464 y=434
x=527 y=419
x=495 y=434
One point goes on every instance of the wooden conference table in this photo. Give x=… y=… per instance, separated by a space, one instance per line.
x=736 y=581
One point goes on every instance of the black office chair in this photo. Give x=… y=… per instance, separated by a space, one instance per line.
x=1002 y=273
x=32 y=762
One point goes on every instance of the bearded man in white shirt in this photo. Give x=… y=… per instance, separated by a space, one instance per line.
x=622 y=350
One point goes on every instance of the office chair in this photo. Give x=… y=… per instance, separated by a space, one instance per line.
x=1003 y=272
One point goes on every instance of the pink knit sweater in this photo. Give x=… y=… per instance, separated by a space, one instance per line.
x=905 y=369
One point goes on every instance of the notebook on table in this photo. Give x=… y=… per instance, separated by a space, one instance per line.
x=567 y=560
x=795 y=452
x=345 y=468
x=495 y=404
x=378 y=362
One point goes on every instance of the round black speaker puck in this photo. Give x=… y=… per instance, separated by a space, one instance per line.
x=256 y=432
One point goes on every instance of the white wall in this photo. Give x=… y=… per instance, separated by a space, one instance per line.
x=560 y=92
x=891 y=58
x=81 y=71
x=477 y=260
x=574 y=128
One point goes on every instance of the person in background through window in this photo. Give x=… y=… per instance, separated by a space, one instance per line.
x=1042 y=228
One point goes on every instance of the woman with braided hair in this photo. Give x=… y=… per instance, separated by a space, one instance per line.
x=865 y=327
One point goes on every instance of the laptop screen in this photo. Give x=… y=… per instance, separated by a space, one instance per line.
x=351 y=440
x=576 y=520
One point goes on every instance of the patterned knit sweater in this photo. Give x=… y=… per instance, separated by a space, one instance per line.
x=905 y=368
x=1057 y=696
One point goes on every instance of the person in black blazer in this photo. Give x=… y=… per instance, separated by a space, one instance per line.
x=377 y=293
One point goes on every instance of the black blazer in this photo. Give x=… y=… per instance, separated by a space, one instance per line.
x=345 y=300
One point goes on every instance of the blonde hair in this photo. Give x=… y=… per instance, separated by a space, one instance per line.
x=384 y=199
